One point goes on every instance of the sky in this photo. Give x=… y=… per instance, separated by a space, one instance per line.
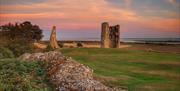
x=82 y=18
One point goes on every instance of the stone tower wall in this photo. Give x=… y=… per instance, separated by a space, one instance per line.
x=114 y=36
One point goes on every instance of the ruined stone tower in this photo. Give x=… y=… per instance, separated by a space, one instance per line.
x=110 y=36
x=53 y=39
x=114 y=36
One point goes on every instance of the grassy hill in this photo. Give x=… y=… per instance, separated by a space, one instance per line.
x=132 y=69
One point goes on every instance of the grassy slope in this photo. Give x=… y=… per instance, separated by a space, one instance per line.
x=16 y=75
x=136 y=70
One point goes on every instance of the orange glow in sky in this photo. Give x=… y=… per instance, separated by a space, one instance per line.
x=137 y=18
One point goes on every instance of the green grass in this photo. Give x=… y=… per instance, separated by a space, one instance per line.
x=134 y=69
x=17 y=75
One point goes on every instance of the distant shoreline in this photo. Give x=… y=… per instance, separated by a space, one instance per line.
x=126 y=40
x=134 y=42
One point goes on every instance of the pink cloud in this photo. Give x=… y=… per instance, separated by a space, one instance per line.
x=159 y=24
x=71 y=11
x=172 y=1
x=80 y=15
x=128 y=3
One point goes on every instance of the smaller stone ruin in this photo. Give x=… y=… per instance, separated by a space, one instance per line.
x=110 y=36
x=53 y=39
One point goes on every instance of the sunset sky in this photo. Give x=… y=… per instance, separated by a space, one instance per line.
x=83 y=18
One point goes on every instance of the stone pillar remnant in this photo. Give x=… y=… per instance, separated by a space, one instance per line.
x=105 y=35
x=110 y=36
x=53 y=39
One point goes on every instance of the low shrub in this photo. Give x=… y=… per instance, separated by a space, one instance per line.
x=5 y=53
x=79 y=44
x=61 y=45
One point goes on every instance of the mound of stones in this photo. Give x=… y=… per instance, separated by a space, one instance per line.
x=67 y=74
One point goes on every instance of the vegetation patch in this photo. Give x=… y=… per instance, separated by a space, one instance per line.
x=16 y=75
x=5 y=53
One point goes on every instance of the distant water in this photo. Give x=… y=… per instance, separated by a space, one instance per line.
x=151 y=39
x=126 y=39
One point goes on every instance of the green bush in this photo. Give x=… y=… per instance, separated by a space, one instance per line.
x=5 y=53
x=18 y=75
x=79 y=44
x=19 y=48
x=19 y=37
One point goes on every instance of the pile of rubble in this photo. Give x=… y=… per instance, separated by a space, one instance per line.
x=67 y=74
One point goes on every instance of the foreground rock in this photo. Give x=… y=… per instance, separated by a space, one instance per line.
x=67 y=74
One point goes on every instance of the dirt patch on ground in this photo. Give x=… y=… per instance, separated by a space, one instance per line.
x=91 y=45
x=162 y=48
x=155 y=48
x=158 y=73
x=99 y=46
x=159 y=87
x=171 y=63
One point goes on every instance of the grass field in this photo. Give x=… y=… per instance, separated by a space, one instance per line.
x=133 y=69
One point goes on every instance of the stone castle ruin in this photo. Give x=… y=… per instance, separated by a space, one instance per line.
x=53 y=39
x=110 y=36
